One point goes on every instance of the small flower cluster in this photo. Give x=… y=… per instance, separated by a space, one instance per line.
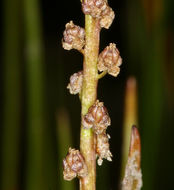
x=73 y=37
x=100 y=10
x=75 y=84
x=109 y=60
x=74 y=165
x=98 y=119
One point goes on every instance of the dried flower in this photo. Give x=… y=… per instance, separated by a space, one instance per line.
x=74 y=165
x=97 y=117
x=102 y=148
x=75 y=84
x=107 y=17
x=133 y=176
x=73 y=37
x=110 y=60
x=94 y=7
x=100 y=10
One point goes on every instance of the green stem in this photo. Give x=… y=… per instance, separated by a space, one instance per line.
x=64 y=137
x=10 y=150
x=89 y=94
x=35 y=93
x=101 y=75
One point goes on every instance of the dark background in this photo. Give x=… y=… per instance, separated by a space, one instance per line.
x=40 y=119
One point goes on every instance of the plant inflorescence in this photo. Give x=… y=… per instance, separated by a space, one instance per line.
x=94 y=141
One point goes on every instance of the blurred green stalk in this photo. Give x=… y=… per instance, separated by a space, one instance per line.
x=12 y=95
x=64 y=137
x=130 y=118
x=35 y=96
x=149 y=49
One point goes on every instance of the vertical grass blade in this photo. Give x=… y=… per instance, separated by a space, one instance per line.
x=130 y=118
x=35 y=96
x=152 y=91
x=12 y=95
x=64 y=140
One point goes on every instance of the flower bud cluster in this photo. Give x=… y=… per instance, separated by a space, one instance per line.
x=109 y=60
x=98 y=119
x=74 y=165
x=99 y=9
x=75 y=84
x=73 y=37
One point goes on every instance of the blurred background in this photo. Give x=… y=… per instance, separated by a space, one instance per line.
x=40 y=119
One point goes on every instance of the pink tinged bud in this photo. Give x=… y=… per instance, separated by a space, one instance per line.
x=73 y=37
x=74 y=165
x=75 y=84
x=109 y=60
x=97 y=118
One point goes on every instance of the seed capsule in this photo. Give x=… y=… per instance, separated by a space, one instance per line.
x=75 y=84
x=102 y=148
x=97 y=117
x=73 y=37
x=74 y=165
x=110 y=60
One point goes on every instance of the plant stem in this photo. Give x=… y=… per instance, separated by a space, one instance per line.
x=35 y=97
x=89 y=94
x=101 y=75
x=64 y=138
x=10 y=148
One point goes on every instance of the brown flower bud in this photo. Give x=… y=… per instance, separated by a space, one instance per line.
x=110 y=60
x=99 y=9
x=107 y=17
x=75 y=84
x=94 y=7
x=97 y=117
x=73 y=37
x=102 y=148
x=74 y=165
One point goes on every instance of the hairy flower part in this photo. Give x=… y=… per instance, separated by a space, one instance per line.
x=75 y=84
x=73 y=37
x=107 y=18
x=133 y=176
x=102 y=148
x=74 y=165
x=100 y=10
x=97 y=118
x=109 y=60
